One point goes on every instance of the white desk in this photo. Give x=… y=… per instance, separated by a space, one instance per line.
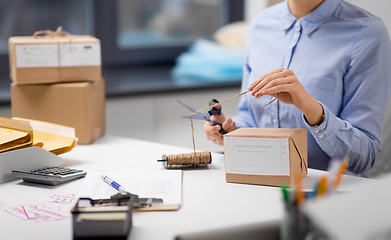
x=208 y=202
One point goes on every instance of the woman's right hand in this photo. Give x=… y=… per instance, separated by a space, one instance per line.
x=212 y=132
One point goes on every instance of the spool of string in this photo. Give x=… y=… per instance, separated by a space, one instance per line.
x=187 y=159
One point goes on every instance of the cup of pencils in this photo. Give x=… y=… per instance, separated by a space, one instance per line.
x=295 y=225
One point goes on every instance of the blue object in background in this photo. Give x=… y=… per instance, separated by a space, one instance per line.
x=210 y=62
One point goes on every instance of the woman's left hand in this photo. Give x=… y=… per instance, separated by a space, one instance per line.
x=284 y=85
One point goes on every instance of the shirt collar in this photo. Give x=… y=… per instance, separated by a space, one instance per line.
x=313 y=20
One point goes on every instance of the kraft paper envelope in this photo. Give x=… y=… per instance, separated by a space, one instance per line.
x=14 y=134
x=57 y=139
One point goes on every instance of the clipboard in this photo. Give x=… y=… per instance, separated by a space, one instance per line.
x=174 y=207
x=95 y=188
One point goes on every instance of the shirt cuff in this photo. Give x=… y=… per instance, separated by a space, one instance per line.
x=325 y=133
x=318 y=128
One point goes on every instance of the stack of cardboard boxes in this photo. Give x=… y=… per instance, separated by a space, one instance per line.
x=57 y=78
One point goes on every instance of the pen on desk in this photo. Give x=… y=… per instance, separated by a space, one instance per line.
x=285 y=193
x=333 y=169
x=112 y=183
x=342 y=170
x=322 y=186
x=299 y=192
x=312 y=194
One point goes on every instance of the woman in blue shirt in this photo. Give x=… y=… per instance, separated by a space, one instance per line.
x=329 y=65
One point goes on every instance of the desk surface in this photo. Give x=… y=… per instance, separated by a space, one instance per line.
x=208 y=202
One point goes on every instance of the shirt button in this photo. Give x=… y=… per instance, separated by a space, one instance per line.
x=297 y=24
x=316 y=131
x=274 y=120
x=295 y=36
x=321 y=136
x=331 y=154
x=286 y=62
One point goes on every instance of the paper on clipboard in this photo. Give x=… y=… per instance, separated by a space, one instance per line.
x=145 y=183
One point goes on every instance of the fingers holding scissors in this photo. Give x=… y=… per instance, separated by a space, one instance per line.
x=213 y=132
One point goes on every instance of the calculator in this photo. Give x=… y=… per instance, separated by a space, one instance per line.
x=49 y=175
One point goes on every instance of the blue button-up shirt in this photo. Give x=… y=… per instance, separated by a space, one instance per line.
x=341 y=55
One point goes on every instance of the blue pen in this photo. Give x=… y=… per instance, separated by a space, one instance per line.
x=112 y=183
x=312 y=194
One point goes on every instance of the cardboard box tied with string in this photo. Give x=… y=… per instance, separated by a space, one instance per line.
x=50 y=57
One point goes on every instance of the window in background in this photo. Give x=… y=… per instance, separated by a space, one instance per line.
x=165 y=23
x=156 y=31
x=141 y=39
x=24 y=17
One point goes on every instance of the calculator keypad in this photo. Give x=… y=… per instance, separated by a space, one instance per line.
x=56 y=171
x=49 y=175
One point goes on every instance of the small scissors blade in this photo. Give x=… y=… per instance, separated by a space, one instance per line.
x=206 y=116
x=188 y=107
x=199 y=116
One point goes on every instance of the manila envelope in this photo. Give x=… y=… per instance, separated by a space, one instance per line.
x=14 y=134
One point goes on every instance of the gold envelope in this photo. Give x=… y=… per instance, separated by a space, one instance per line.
x=14 y=134
x=57 y=139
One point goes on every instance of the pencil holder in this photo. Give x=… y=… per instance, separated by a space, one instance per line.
x=295 y=225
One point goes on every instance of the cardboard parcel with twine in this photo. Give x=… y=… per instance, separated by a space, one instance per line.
x=266 y=156
x=50 y=57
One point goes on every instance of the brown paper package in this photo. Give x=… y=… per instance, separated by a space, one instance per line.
x=297 y=156
x=80 y=105
x=39 y=75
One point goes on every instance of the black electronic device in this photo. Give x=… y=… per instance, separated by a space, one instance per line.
x=103 y=218
x=49 y=175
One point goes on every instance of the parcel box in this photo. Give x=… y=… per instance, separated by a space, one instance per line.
x=54 y=58
x=79 y=105
x=266 y=156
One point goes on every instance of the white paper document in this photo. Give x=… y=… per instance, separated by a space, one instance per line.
x=257 y=156
x=144 y=183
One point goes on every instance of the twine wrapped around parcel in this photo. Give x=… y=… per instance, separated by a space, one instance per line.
x=49 y=33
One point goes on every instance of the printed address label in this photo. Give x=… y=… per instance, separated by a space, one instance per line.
x=36 y=55
x=58 y=55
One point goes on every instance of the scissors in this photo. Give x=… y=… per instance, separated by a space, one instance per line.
x=206 y=116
